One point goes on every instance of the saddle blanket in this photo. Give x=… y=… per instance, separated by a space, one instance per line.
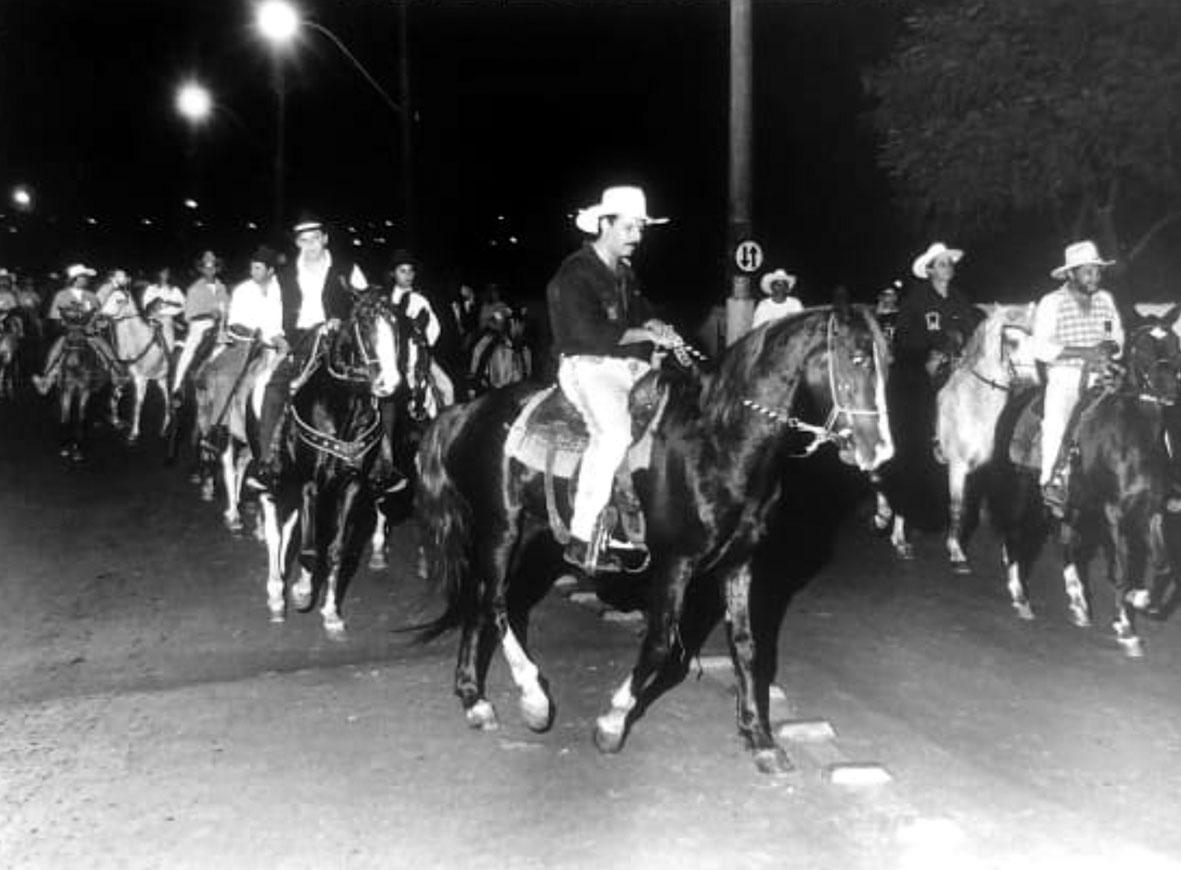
x=549 y=422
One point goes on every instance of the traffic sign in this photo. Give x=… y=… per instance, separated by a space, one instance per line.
x=748 y=256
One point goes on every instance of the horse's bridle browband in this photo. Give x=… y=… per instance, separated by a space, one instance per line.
x=828 y=432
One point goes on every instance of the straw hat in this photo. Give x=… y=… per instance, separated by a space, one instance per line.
x=1080 y=254
x=77 y=269
x=778 y=275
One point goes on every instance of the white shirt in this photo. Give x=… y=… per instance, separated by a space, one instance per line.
x=311 y=277
x=172 y=301
x=768 y=309
x=255 y=307
x=416 y=303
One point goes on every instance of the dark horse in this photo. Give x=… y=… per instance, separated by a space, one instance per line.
x=328 y=459
x=714 y=477
x=83 y=373
x=1119 y=484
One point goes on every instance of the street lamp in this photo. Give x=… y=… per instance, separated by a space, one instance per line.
x=279 y=22
x=194 y=102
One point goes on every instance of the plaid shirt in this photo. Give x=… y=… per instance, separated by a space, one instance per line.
x=1060 y=322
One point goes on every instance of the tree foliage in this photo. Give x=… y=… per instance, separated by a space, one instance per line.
x=989 y=108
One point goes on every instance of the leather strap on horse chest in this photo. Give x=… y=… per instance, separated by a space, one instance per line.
x=351 y=453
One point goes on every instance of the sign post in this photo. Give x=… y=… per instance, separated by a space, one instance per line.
x=740 y=305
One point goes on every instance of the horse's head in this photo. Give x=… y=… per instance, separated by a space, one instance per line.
x=848 y=374
x=1002 y=345
x=367 y=346
x=1153 y=357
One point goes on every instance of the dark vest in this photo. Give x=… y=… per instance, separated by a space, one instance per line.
x=336 y=297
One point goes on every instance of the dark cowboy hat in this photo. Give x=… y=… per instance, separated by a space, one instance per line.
x=266 y=256
x=403 y=257
x=308 y=222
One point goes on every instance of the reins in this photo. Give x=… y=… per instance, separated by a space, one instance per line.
x=352 y=452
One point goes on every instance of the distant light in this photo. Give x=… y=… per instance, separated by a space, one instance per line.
x=251 y=225
x=92 y=221
x=22 y=197
x=379 y=240
x=389 y=223
x=198 y=223
x=190 y=203
x=500 y=217
x=277 y=20
x=512 y=240
x=194 y=101
x=357 y=242
x=493 y=243
x=12 y=229
x=147 y=222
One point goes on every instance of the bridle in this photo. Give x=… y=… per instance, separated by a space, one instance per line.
x=829 y=432
x=1006 y=360
x=1142 y=381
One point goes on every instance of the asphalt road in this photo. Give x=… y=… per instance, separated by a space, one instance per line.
x=150 y=716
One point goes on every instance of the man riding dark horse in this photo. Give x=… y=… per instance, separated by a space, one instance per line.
x=317 y=292
x=603 y=330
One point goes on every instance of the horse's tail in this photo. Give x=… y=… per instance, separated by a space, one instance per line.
x=444 y=518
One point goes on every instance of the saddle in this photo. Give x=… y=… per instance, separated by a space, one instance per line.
x=549 y=435
x=1025 y=446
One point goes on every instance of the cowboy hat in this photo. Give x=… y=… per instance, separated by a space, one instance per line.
x=307 y=223
x=403 y=257
x=616 y=202
x=1080 y=254
x=77 y=269
x=778 y=275
x=923 y=261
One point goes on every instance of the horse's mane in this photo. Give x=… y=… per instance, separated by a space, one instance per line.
x=982 y=341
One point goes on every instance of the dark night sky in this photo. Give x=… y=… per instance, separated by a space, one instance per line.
x=523 y=109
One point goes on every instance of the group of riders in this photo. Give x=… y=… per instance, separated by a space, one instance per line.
x=278 y=310
x=604 y=334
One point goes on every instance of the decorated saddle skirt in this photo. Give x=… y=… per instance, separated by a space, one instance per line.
x=550 y=435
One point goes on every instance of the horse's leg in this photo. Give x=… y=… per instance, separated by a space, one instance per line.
x=1119 y=573
x=1076 y=593
x=957 y=474
x=303 y=593
x=1158 y=568
x=660 y=640
x=902 y=547
x=278 y=541
x=753 y=692
x=337 y=548
x=377 y=559
x=231 y=517
x=139 y=386
x=166 y=420
x=1016 y=583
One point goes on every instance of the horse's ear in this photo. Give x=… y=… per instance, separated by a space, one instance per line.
x=840 y=303
x=1171 y=315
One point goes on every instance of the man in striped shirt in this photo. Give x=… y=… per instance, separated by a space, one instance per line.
x=1075 y=327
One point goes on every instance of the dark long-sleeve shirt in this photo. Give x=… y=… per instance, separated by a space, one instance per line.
x=590 y=307
x=928 y=321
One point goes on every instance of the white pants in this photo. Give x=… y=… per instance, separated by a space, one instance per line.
x=197 y=330
x=269 y=360
x=598 y=387
x=1062 y=389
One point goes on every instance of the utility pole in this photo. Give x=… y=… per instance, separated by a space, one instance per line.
x=407 y=123
x=743 y=255
x=280 y=166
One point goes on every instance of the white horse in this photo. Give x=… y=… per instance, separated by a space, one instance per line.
x=997 y=359
x=141 y=349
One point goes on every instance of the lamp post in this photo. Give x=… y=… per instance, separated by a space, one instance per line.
x=279 y=22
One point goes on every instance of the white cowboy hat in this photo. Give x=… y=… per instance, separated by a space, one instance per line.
x=616 y=201
x=1080 y=254
x=923 y=261
x=77 y=269
x=778 y=275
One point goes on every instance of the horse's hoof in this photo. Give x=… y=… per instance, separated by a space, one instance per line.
x=302 y=601
x=1080 y=618
x=481 y=716
x=773 y=761
x=608 y=740
x=1133 y=647
x=1024 y=611
x=234 y=526
x=275 y=605
x=961 y=567
x=905 y=551
x=537 y=712
x=1139 y=599
x=378 y=562
x=334 y=628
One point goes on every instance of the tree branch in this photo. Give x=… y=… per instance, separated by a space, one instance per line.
x=1161 y=223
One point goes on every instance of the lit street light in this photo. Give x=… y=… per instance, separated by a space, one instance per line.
x=194 y=102
x=22 y=198
x=279 y=22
